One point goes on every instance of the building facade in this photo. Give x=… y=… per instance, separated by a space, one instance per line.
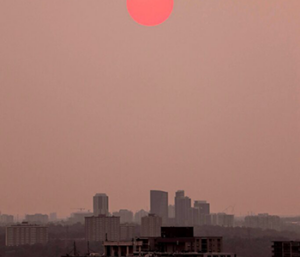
x=159 y=204
x=182 y=209
x=26 y=234
x=100 y=204
x=102 y=228
x=37 y=218
x=126 y=216
x=127 y=231
x=151 y=226
x=286 y=249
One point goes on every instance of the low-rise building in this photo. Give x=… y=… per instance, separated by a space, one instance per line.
x=25 y=233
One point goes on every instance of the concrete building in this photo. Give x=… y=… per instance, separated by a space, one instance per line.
x=171 y=211
x=263 y=221
x=182 y=209
x=122 y=248
x=126 y=216
x=53 y=216
x=286 y=249
x=174 y=241
x=6 y=219
x=139 y=215
x=202 y=206
x=79 y=217
x=222 y=219
x=37 y=218
x=26 y=234
x=151 y=226
x=127 y=231
x=159 y=204
x=102 y=228
x=100 y=204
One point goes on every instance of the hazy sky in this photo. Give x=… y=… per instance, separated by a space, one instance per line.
x=92 y=102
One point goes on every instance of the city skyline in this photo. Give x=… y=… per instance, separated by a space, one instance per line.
x=207 y=102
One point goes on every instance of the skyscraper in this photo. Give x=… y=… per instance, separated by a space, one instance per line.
x=100 y=204
x=159 y=204
x=182 y=208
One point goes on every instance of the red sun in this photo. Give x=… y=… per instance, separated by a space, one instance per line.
x=150 y=12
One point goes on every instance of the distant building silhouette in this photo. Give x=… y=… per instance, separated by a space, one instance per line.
x=37 y=218
x=79 y=217
x=151 y=226
x=100 y=204
x=159 y=204
x=182 y=208
x=263 y=221
x=6 y=219
x=26 y=234
x=222 y=219
x=126 y=216
x=53 y=216
x=101 y=228
x=171 y=211
x=139 y=215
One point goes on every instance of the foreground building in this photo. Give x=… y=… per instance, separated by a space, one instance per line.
x=174 y=241
x=286 y=248
x=102 y=228
x=26 y=234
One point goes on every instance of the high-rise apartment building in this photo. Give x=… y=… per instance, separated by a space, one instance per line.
x=151 y=226
x=182 y=208
x=100 y=204
x=102 y=228
x=25 y=233
x=159 y=204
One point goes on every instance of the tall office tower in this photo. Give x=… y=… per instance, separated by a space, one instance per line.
x=24 y=234
x=159 y=204
x=139 y=215
x=126 y=216
x=151 y=226
x=182 y=209
x=102 y=228
x=100 y=204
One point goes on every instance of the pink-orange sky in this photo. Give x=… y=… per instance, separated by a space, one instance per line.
x=92 y=102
